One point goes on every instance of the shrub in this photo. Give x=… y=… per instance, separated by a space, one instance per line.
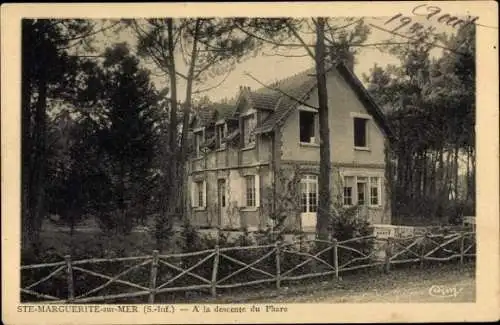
x=346 y=224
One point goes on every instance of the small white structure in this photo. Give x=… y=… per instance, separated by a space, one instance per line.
x=470 y=221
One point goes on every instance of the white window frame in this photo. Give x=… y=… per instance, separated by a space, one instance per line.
x=352 y=190
x=220 y=137
x=310 y=181
x=365 y=183
x=195 y=194
x=250 y=195
x=369 y=185
x=196 y=133
x=377 y=186
x=256 y=192
x=247 y=134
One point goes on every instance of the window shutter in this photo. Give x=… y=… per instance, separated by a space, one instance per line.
x=257 y=190
x=243 y=194
x=204 y=194
x=193 y=193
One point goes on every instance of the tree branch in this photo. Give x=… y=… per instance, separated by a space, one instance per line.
x=417 y=40
x=270 y=41
x=301 y=40
x=286 y=55
x=81 y=37
x=213 y=87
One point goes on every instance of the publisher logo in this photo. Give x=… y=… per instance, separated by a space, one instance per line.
x=444 y=291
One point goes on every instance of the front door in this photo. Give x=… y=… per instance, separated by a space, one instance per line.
x=221 y=201
x=309 y=202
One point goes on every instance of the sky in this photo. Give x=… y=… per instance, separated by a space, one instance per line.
x=267 y=67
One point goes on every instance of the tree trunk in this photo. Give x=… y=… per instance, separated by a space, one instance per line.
x=324 y=131
x=189 y=92
x=26 y=158
x=38 y=168
x=455 y=171
x=169 y=157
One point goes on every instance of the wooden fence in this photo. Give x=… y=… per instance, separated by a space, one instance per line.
x=214 y=269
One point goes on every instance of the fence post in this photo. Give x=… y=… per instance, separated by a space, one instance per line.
x=152 y=278
x=388 y=254
x=422 y=251
x=69 y=276
x=462 y=249
x=335 y=257
x=214 y=271
x=278 y=265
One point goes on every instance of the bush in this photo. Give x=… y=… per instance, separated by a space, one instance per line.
x=346 y=224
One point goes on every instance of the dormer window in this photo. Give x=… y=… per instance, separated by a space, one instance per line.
x=199 y=138
x=221 y=134
x=249 y=123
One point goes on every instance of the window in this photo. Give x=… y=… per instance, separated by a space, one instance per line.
x=309 y=193
x=250 y=190
x=348 y=185
x=306 y=123
x=222 y=192
x=361 y=188
x=220 y=134
x=199 y=194
x=249 y=123
x=374 y=190
x=198 y=141
x=360 y=132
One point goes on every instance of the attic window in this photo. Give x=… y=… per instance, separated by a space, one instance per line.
x=360 y=140
x=198 y=141
x=306 y=122
x=249 y=123
x=221 y=133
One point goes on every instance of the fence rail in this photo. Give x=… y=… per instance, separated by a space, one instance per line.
x=330 y=257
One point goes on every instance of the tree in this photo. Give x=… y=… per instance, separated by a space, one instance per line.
x=324 y=135
x=48 y=71
x=127 y=139
x=430 y=104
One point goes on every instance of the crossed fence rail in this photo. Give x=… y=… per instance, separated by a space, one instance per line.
x=271 y=262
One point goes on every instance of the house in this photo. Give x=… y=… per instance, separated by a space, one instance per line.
x=255 y=163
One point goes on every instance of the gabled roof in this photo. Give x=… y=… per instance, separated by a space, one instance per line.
x=216 y=111
x=299 y=87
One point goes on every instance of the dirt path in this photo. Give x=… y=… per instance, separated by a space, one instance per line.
x=462 y=290
x=437 y=284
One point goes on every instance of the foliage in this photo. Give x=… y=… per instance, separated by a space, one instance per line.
x=430 y=105
x=346 y=224
x=103 y=157
x=281 y=200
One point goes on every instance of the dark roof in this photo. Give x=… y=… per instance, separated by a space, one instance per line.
x=300 y=86
x=205 y=115
x=217 y=111
x=224 y=110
